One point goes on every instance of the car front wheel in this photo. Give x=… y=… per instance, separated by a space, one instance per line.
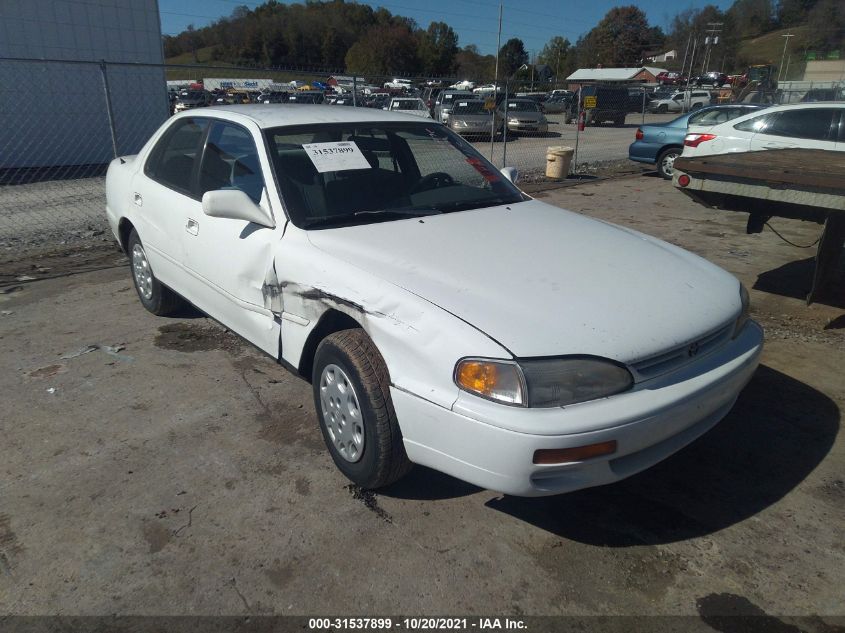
x=155 y=297
x=352 y=397
x=666 y=162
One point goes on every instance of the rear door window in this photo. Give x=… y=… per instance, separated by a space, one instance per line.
x=809 y=123
x=173 y=159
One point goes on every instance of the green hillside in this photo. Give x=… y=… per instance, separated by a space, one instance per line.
x=768 y=49
x=204 y=55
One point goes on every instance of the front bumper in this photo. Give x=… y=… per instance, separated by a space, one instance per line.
x=492 y=445
x=474 y=130
x=528 y=127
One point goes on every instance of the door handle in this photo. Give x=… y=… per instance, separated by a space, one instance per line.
x=138 y=199
x=192 y=227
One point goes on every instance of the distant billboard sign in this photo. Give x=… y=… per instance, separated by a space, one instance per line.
x=213 y=83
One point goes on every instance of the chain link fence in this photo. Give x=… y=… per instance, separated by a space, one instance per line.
x=65 y=121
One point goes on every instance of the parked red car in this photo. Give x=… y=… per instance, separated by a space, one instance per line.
x=670 y=78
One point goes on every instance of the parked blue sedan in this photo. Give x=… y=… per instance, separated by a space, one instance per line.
x=661 y=143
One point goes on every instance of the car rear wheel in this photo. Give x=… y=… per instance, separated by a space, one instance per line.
x=666 y=162
x=155 y=297
x=352 y=397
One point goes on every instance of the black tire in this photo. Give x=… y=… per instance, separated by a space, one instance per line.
x=662 y=109
x=383 y=459
x=696 y=106
x=619 y=122
x=671 y=154
x=158 y=298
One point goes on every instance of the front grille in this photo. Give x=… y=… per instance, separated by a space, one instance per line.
x=671 y=360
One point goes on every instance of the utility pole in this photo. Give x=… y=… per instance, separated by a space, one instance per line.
x=783 y=56
x=713 y=30
x=557 y=68
x=686 y=52
x=692 y=60
x=496 y=87
x=533 y=63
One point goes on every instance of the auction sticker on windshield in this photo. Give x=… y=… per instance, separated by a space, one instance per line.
x=337 y=156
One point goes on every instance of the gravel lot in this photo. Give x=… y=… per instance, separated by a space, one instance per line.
x=157 y=466
x=596 y=143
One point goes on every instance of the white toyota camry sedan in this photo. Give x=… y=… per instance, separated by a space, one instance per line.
x=442 y=316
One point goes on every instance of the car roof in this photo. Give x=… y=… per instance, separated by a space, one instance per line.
x=782 y=108
x=281 y=115
x=805 y=106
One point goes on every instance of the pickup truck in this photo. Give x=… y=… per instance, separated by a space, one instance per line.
x=803 y=184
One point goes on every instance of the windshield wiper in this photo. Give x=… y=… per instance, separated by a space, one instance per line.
x=402 y=212
x=466 y=205
x=343 y=218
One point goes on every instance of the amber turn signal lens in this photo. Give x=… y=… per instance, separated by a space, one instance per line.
x=494 y=380
x=478 y=376
x=577 y=454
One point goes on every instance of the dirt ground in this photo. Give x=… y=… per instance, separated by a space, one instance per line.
x=163 y=466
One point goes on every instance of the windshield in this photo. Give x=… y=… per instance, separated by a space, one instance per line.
x=470 y=107
x=523 y=106
x=356 y=173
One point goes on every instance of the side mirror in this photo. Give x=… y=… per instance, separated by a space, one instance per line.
x=235 y=205
x=511 y=173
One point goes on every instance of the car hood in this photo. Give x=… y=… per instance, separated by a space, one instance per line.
x=420 y=113
x=525 y=116
x=543 y=281
x=473 y=118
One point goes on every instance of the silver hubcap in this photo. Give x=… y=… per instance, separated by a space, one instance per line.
x=342 y=413
x=669 y=164
x=141 y=271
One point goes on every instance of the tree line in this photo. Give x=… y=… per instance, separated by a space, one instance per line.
x=356 y=38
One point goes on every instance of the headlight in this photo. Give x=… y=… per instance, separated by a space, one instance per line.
x=495 y=380
x=459 y=123
x=542 y=383
x=743 y=317
x=513 y=120
x=561 y=381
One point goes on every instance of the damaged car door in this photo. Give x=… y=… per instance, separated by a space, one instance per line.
x=231 y=258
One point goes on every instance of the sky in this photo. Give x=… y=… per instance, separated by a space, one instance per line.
x=535 y=22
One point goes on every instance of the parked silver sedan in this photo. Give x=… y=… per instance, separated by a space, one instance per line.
x=524 y=115
x=474 y=118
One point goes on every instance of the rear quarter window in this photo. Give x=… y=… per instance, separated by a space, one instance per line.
x=755 y=124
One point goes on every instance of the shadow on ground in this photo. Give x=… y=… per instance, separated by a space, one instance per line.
x=778 y=432
x=425 y=484
x=795 y=279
